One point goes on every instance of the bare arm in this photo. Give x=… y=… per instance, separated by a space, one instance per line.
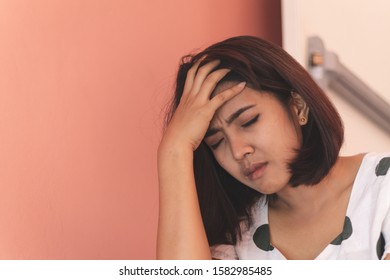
x=181 y=233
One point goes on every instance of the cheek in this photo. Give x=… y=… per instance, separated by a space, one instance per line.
x=286 y=137
x=220 y=159
x=223 y=160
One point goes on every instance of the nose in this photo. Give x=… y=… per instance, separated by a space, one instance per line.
x=240 y=148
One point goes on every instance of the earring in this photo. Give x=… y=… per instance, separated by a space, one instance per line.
x=302 y=121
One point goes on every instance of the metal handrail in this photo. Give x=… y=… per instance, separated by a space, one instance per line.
x=327 y=70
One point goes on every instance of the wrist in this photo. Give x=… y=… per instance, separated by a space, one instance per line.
x=175 y=148
x=177 y=152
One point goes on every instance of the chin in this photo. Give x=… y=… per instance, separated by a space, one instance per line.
x=262 y=189
x=269 y=188
x=266 y=191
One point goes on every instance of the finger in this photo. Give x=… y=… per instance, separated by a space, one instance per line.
x=221 y=98
x=191 y=76
x=202 y=74
x=211 y=82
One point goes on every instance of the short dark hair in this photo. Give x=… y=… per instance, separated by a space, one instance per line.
x=266 y=67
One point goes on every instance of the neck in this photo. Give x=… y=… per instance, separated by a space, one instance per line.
x=313 y=198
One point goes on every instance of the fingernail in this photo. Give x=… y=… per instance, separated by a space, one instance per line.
x=241 y=85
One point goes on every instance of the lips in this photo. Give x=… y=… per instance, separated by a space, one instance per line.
x=255 y=170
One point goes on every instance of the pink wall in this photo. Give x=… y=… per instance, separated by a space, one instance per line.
x=82 y=84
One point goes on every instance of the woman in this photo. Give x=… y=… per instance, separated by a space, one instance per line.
x=249 y=165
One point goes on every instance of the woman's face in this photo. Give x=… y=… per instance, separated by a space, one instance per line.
x=254 y=138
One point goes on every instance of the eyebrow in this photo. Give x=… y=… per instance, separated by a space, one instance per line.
x=231 y=119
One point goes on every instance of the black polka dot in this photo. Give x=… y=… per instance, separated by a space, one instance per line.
x=262 y=238
x=382 y=167
x=347 y=232
x=380 y=246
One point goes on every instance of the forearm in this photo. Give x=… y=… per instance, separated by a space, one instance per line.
x=181 y=233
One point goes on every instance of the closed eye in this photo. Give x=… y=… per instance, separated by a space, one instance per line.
x=252 y=121
x=214 y=146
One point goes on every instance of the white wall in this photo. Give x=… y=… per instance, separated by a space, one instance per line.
x=358 y=31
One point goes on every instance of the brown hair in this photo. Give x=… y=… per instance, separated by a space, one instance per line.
x=224 y=201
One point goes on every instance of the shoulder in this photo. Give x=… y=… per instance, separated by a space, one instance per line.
x=374 y=175
x=376 y=164
x=367 y=174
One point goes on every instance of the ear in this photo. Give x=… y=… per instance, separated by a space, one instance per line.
x=300 y=108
